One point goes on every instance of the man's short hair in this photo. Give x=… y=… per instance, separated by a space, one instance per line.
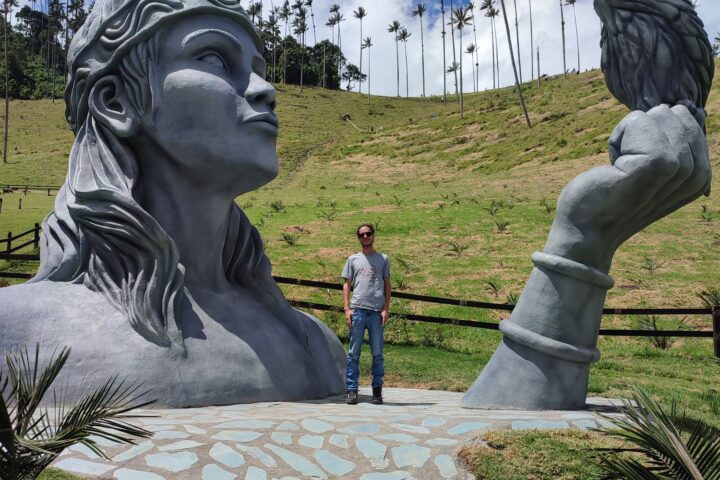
x=368 y=225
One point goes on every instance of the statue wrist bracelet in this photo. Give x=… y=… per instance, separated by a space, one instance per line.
x=573 y=269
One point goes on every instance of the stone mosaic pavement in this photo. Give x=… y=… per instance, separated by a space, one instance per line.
x=414 y=435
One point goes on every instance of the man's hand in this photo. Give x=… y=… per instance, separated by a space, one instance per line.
x=385 y=316
x=659 y=162
x=348 y=317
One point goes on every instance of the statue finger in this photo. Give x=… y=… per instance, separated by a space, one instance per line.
x=675 y=131
x=616 y=137
x=646 y=152
x=697 y=141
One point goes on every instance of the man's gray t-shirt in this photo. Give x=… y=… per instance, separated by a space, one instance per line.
x=367 y=274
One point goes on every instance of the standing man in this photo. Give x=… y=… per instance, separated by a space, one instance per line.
x=368 y=274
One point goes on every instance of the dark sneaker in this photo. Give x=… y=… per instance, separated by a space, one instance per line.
x=352 y=398
x=377 y=396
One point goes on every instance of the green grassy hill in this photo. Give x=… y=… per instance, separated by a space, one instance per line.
x=461 y=203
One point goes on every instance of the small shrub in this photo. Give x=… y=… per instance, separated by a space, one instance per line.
x=458 y=248
x=328 y=215
x=492 y=209
x=400 y=283
x=277 y=206
x=501 y=225
x=290 y=238
x=397 y=200
x=512 y=298
x=710 y=297
x=651 y=323
x=548 y=205
x=493 y=286
x=651 y=265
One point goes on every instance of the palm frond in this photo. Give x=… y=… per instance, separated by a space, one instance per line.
x=656 y=436
x=30 y=440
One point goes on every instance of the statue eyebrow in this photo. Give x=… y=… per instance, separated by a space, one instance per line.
x=192 y=36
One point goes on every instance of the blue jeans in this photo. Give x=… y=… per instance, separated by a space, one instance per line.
x=372 y=321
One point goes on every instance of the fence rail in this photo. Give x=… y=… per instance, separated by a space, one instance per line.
x=8 y=254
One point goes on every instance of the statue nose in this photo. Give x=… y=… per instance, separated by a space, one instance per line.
x=260 y=91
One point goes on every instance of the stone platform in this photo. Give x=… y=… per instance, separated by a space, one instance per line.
x=414 y=435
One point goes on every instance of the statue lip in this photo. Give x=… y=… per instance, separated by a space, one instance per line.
x=264 y=117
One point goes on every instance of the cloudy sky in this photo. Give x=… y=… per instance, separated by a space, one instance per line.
x=546 y=28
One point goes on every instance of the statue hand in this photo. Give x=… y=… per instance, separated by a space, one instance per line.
x=659 y=162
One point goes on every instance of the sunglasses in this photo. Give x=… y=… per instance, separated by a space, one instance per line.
x=365 y=235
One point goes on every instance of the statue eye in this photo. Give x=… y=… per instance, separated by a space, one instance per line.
x=213 y=59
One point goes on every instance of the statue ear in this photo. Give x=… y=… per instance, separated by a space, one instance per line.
x=109 y=104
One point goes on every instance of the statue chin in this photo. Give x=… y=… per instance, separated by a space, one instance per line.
x=249 y=356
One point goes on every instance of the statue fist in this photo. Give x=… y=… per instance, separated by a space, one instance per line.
x=659 y=162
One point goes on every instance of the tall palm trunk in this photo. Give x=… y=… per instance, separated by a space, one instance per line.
x=462 y=103
x=562 y=24
x=577 y=37
x=407 y=74
x=497 y=52
x=442 y=11
x=7 y=89
x=452 y=36
x=517 y=37
x=512 y=59
x=532 y=46
x=312 y=16
x=368 y=78
x=422 y=53
x=397 y=58
x=476 y=53
x=361 y=39
x=492 y=39
x=324 y=74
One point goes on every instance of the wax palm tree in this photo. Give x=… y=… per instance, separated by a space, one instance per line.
x=461 y=18
x=284 y=15
x=403 y=36
x=452 y=68
x=7 y=7
x=496 y=13
x=367 y=43
x=331 y=23
x=517 y=37
x=394 y=28
x=442 y=11
x=532 y=46
x=489 y=7
x=360 y=13
x=471 y=50
x=452 y=37
x=254 y=9
x=562 y=25
x=273 y=30
x=31 y=437
x=512 y=59
x=300 y=27
x=419 y=11
x=309 y=4
x=577 y=36
x=471 y=7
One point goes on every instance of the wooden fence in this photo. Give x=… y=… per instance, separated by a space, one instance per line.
x=32 y=237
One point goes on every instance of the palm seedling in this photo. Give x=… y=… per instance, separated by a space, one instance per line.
x=667 y=450
x=32 y=436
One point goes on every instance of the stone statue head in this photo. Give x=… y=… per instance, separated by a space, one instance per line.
x=656 y=52
x=187 y=77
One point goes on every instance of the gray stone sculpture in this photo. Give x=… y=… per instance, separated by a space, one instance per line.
x=148 y=267
x=657 y=60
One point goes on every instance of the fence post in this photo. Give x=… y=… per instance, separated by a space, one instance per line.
x=48 y=192
x=36 y=242
x=716 y=330
x=9 y=241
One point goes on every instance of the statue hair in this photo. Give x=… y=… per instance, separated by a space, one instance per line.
x=99 y=236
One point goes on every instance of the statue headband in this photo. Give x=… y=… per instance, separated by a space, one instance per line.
x=115 y=26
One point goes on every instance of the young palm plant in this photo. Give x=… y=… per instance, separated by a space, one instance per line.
x=668 y=451
x=31 y=436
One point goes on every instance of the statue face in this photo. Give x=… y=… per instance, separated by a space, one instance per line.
x=212 y=108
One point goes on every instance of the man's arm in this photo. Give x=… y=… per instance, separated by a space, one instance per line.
x=387 y=290
x=346 y=302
